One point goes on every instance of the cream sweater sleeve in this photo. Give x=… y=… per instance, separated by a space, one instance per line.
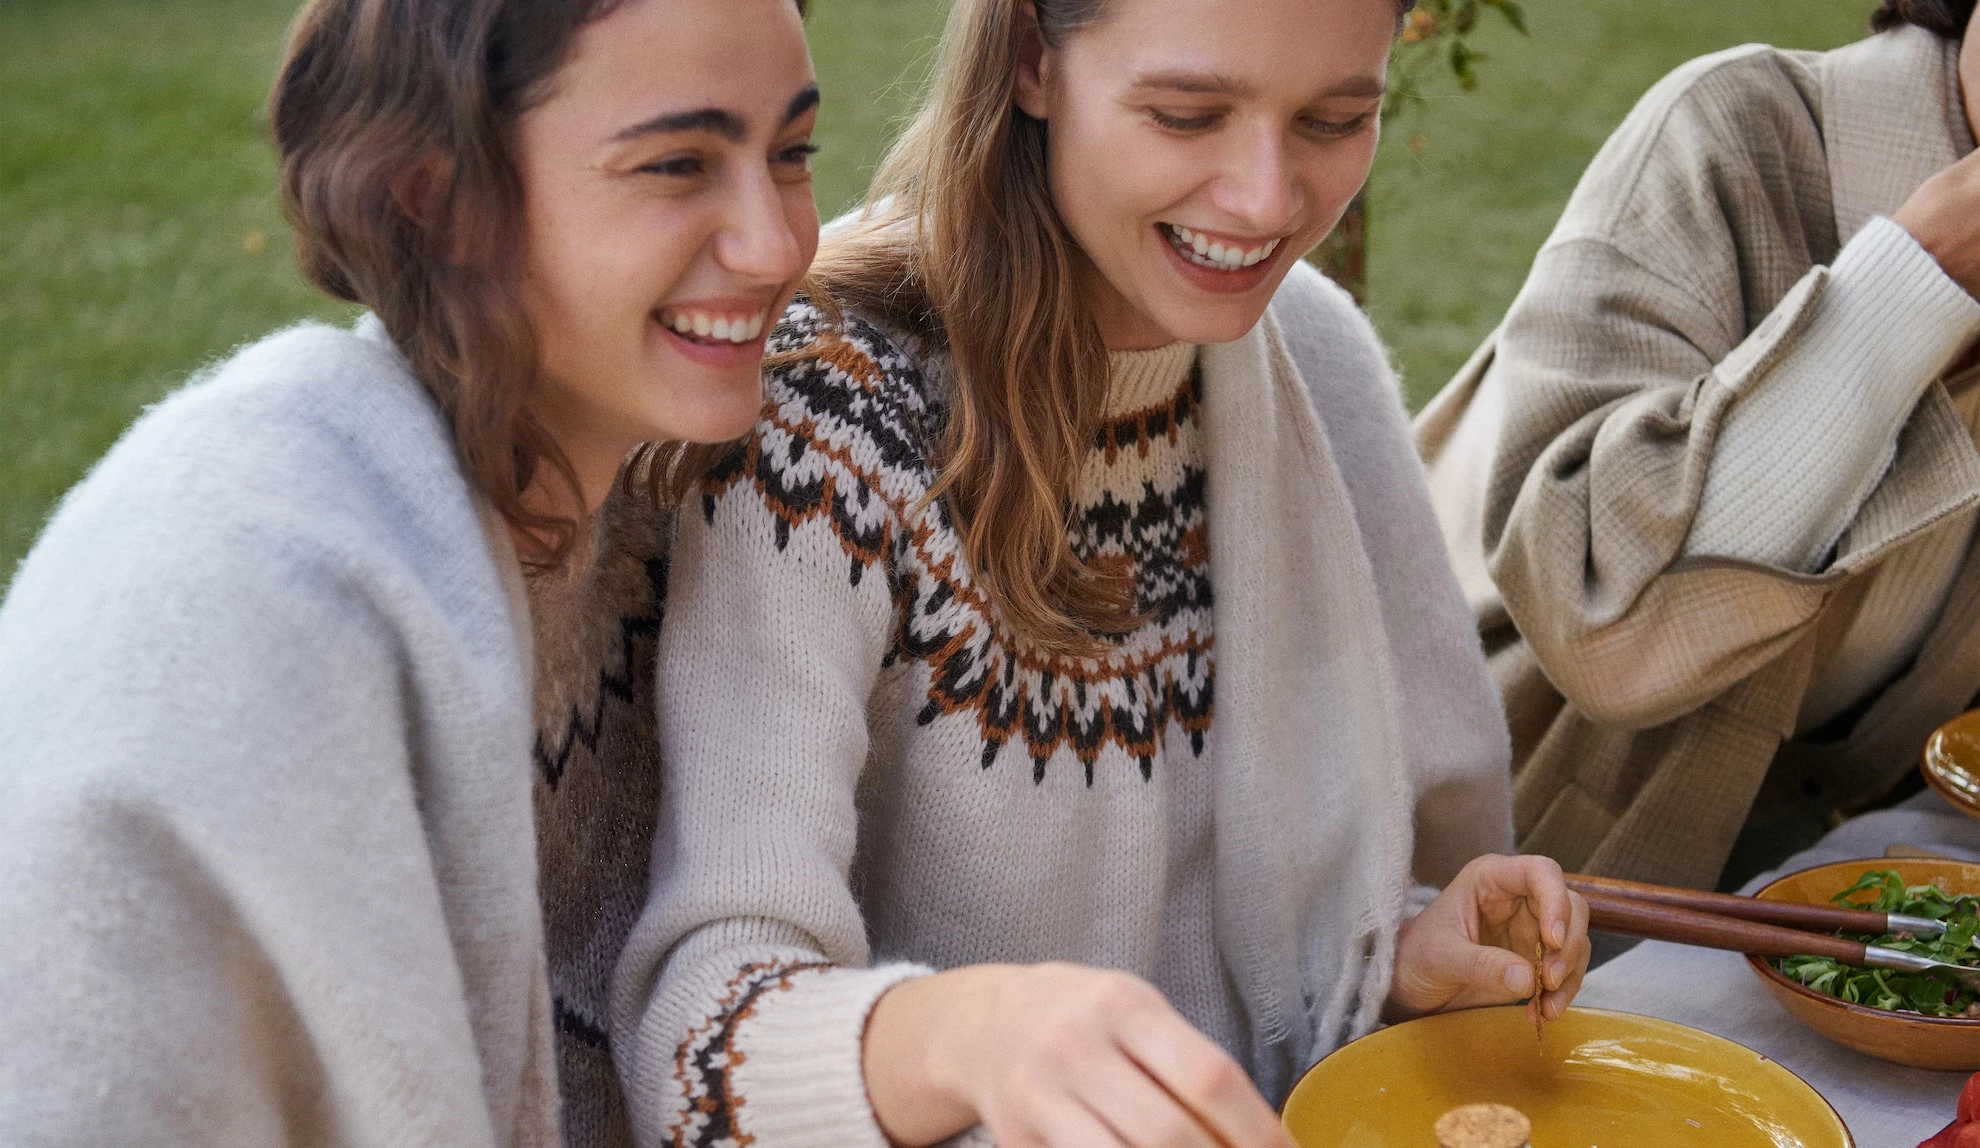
x=1800 y=452
x=741 y=1000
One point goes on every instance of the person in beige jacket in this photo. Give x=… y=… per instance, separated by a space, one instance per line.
x=1711 y=487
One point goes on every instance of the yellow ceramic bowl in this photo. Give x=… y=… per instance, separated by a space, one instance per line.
x=1949 y=1044
x=1952 y=762
x=1602 y=1078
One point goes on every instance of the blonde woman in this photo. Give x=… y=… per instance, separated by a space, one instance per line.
x=1061 y=690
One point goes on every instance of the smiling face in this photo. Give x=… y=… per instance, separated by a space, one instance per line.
x=1197 y=147
x=667 y=217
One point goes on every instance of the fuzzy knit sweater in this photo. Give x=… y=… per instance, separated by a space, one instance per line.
x=265 y=815
x=865 y=777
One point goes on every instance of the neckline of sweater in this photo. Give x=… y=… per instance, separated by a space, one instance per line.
x=1137 y=380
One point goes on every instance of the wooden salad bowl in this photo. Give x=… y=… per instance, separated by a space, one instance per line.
x=1950 y=1044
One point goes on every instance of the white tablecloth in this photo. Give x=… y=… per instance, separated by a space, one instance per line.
x=1885 y=1105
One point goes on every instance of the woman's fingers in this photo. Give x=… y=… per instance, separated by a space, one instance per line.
x=1529 y=885
x=1209 y=1085
x=1499 y=975
x=1505 y=929
x=1567 y=967
x=1138 y=1110
x=1068 y=1055
x=1054 y=1119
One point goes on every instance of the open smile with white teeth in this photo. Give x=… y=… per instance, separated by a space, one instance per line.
x=1204 y=251
x=708 y=327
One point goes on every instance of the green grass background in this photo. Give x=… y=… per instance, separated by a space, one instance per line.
x=139 y=236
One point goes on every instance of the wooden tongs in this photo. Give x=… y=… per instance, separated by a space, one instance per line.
x=1751 y=925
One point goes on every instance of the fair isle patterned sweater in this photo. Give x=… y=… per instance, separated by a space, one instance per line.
x=594 y=623
x=958 y=749
x=865 y=778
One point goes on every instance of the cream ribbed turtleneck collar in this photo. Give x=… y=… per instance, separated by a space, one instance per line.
x=1137 y=380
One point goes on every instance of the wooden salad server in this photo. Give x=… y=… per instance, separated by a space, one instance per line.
x=1612 y=913
x=1818 y=918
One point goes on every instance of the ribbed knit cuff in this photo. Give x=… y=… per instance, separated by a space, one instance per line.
x=799 y=1080
x=1797 y=456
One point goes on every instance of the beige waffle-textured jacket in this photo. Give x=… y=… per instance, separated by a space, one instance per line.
x=1722 y=407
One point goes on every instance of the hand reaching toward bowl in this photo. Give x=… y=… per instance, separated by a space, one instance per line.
x=1474 y=944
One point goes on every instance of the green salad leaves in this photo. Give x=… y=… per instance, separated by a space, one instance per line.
x=1933 y=994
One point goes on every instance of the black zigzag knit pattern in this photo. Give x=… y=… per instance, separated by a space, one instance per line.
x=596 y=791
x=848 y=442
x=617 y=682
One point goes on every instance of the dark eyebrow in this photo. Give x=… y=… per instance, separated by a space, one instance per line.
x=801 y=103
x=719 y=121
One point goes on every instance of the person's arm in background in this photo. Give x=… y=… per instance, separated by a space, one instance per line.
x=1625 y=364
x=1797 y=458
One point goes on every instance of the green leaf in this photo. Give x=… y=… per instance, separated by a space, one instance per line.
x=1933 y=994
x=1461 y=59
x=1515 y=15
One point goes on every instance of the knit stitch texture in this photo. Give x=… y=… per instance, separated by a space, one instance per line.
x=596 y=787
x=867 y=777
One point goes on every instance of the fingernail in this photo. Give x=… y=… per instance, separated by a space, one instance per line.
x=1558 y=932
x=1516 y=979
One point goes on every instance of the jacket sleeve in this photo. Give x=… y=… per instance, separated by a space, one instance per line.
x=741 y=1000
x=1688 y=432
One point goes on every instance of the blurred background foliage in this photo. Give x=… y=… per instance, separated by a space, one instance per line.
x=139 y=236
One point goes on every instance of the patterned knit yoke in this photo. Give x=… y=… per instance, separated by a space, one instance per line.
x=857 y=458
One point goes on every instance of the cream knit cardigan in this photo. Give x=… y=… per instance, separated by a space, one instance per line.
x=267 y=867
x=1354 y=725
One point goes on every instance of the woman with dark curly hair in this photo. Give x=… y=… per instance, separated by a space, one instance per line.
x=277 y=867
x=1712 y=486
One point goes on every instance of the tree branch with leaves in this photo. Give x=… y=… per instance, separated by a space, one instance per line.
x=1435 y=41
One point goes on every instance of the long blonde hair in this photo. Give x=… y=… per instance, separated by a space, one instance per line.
x=960 y=243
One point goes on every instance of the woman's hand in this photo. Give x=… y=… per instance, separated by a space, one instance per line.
x=1943 y=215
x=1054 y=1054
x=1475 y=944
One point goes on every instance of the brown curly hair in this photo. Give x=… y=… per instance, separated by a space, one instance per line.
x=1947 y=18
x=395 y=122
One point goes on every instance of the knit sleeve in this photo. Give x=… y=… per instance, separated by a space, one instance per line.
x=1690 y=303
x=741 y=1000
x=1796 y=459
